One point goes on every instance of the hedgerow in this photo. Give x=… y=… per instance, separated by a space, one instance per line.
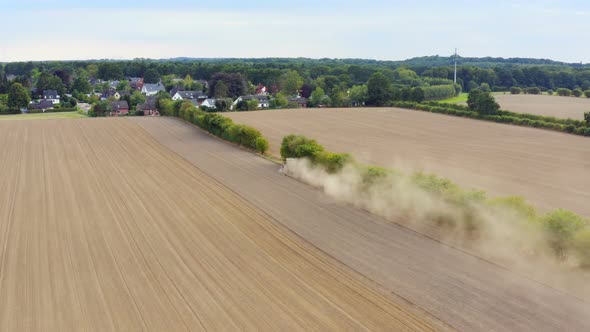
x=565 y=233
x=219 y=125
x=571 y=126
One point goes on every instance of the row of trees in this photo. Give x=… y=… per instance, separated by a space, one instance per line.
x=286 y=74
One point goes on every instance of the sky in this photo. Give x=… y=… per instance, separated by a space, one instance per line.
x=371 y=29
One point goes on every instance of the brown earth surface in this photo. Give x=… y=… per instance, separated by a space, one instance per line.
x=465 y=292
x=550 y=169
x=102 y=228
x=559 y=107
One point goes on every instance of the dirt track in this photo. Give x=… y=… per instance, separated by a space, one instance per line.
x=102 y=228
x=463 y=291
x=560 y=107
x=550 y=169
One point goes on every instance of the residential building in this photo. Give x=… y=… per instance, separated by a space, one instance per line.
x=119 y=108
x=261 y=90
x=300 y=101
x=136 y=83
x=43 y=105
x=51 y=95
x=183 y=95
x=209 y=103
x=263 y=101
x=149 y=108
x=149 y=89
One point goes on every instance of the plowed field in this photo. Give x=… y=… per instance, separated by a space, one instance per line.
x=102 y=228
x=550 y=169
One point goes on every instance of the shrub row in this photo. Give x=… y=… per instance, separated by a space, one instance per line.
x=223 y=127
x=298 y=146
x=55 y=110
x=528 y=120
x=565 y=232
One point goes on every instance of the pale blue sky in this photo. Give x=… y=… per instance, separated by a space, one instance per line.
x=374 y=29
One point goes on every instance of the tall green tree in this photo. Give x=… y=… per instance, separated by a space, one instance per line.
x=81 y=84
x=221 y=90
x=151 y=76
x=290 y=82
x=18 y=96
x=379 y=89
x=317 y=96
x=482 y=102
x=359 y=94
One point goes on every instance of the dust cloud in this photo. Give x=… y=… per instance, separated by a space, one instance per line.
x=497 y=233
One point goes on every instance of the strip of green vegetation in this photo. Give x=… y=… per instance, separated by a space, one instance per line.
x=562 y=232
x=571 y=126
x=461 y=98
x=43 y=116
x=218 y=125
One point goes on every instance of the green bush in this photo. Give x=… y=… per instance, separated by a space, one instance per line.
x=587 y=93
x=561 y=226
x=515 y=90
x=581 y=246
x=564 y=92
x=577 y=92
x=261 y=144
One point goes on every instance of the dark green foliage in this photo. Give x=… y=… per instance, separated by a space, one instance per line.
x=532 y=91
x=564 y=92
x=18 y=97
x=587 y=93
x=587 y=118
x=225 y=128
x=577 y=92
x=438 y=92
x=379 y=90
x=299 y=146
x=482 y=102
x=515 y=90
x=151 y=76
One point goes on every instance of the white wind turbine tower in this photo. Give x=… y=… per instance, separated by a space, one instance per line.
x=455 y=80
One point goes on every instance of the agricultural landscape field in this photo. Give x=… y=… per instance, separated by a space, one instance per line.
x=99 y=235
x=557 y=106
x=550 y=169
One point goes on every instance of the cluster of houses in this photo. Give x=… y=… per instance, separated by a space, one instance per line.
x=120 y=106
x=49 y=99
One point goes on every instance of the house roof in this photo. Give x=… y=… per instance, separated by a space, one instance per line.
x=51 y=93
x=42 y=104
x=135 y=79
x=262 y=99
x=298 y=100
x=150 y=87
x=191 y=94
x=118 y=105
x=209 y=101
x=150 y=104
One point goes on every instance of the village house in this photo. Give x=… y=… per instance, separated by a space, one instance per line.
x=184 y=95
x=51 y=95
x=263 y=101
x=136 y=83
x=209 y=103
x=42 y=105
x=300 y=101
x=149 y=107
x=149 y=89
x=261 y=90
x=119 y=108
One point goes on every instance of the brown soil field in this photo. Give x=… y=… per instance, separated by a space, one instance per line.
x=552 y=170
x=463 y=291
x=559 y=107
x=102 y=228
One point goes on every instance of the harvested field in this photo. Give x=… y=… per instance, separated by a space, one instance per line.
x=550 y=169
x=103 y=228
x=463 y=291
x=559 y=107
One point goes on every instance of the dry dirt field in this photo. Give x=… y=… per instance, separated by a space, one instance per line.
x=461 y=290
x=559 y=107
x=102 y=228
x=550 y=169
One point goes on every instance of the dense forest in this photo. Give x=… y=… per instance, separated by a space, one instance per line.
x=337 y=82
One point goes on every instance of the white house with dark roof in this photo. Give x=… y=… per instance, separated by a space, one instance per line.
x=51 y=95
x=183 y=95
x=263 y=101
x=152 y=89
x=209 y=103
